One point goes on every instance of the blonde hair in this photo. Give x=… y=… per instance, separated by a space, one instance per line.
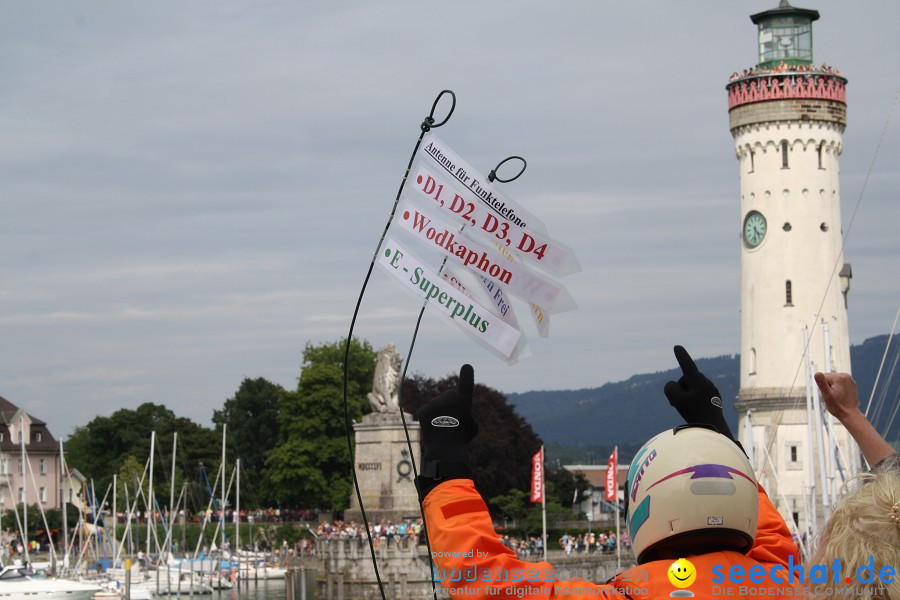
x=865 y=523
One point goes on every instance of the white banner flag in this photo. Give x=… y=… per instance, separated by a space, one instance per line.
x=456 y=282
x=541 y=319
x=502 y=306
x=501 y=303
x=455 y=187
x=467 y=314
x=484 y=261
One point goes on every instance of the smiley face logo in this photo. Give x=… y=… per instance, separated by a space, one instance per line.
x=682 y=573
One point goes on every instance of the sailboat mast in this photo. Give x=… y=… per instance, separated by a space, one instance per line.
x=115 y=516
x=62 y=504
x=810 y=436
x=829 y=419
x=748 y=429
x=237 y=509
x=24 y=490
x=222 y=518
x=820 y=440
x=128 y=531
x=150 y=492
x=172 y=489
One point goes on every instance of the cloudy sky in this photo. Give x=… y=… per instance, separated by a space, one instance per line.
x=191 y=192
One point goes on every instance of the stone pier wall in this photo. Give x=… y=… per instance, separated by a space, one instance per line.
x=342 y=570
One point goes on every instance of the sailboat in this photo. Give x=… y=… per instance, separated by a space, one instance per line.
x=18 y=581
x=147 y=578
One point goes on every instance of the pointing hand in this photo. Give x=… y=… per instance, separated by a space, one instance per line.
x=695 y=397
x=447 y=426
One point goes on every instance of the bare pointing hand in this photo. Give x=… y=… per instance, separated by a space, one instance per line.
x=842 y=400
x=839 y=393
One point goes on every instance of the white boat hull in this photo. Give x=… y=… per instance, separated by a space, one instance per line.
x=46 y=589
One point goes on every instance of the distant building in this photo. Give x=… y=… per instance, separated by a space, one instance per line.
x=73 y=486
x=594 y=504
x=37 y=478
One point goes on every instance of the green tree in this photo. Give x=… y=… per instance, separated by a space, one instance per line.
x=533 y=521
x=126 y=486
x=360 y=365
x=500 y=455
x=12 y=520
x=513 y=505
x=198 y=448
x=101 y=447
x=310 y=465
x=565 y=487
x=251 y=416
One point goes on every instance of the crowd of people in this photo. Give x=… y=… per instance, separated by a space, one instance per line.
x=784 y=67
x=256 y=515
x=11 y=546
x=524 y=548
x=383 y=532
x=591 y=542
x=583 y=543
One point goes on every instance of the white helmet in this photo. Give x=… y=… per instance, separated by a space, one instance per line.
x=690 y=490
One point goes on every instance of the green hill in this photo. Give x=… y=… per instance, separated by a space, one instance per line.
x=582 y=426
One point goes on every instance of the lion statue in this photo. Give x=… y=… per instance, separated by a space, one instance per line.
x=384 y=396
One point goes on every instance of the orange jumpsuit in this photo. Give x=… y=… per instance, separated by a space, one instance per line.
x=471 y=562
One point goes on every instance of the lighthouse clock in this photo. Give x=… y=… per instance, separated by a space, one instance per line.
x=787 y=117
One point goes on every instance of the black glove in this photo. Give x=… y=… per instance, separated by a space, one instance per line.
x=695 y=397
x=447 y=427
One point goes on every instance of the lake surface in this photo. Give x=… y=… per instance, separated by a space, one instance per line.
x=268 y=589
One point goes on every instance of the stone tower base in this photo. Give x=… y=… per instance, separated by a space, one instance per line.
x=384 y=469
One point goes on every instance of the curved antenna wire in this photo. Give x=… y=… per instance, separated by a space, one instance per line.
x=493 y=174
x=426 y=126
x=412 y=345
x=412 y=454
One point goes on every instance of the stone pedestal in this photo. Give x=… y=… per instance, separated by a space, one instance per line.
x=384 y=469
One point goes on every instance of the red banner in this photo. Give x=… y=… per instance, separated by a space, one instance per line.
x=611 y=475
x=537 y=476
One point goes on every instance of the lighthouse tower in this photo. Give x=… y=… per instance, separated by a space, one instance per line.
x=787 y=117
